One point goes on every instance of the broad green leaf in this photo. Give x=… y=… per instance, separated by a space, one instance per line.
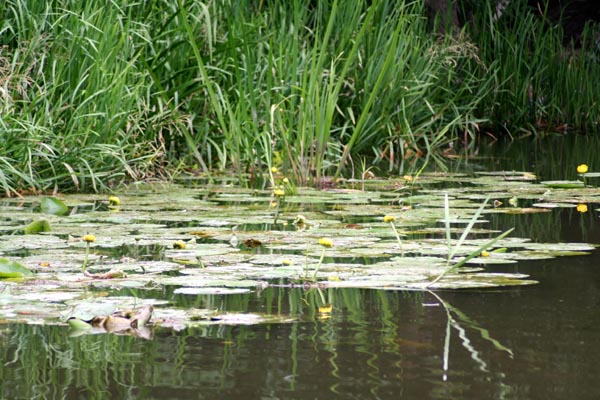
x=53 y=206
x=38 y=226
x=12 y=269
x=78 y=324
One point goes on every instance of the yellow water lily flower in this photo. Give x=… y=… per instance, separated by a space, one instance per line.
x=179 y=244
x=485 y=254
x=582 y=168
x=325 y=242
x=274 y=170
x=279 y=192
x=114 y=200
x=389 y=218
x=582 y=208
x=89 y=238
x=300 y=220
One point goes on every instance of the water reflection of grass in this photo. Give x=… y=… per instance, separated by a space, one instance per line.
x=369 y=334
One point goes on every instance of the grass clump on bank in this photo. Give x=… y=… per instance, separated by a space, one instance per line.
x=100 y=92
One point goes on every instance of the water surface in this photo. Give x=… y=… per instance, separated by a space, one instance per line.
x=532 y=342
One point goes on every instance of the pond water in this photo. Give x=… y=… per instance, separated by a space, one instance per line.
x=538 y=341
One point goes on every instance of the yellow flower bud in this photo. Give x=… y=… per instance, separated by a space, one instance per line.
x=279 y=192
x=89 y=238
x=582 y=208
x=300 y=219
x=582 y=168
x=326 y=242
x=274 y=170
x=389 y=218
x=114 y=201
x=180 y=245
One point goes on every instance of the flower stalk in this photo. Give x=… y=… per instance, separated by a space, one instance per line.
x=325 y=243
x=391 y=219
x=581 y=170
x=87 y=239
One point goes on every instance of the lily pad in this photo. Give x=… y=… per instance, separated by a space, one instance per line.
x=12 y=269
x=232 y=245
x=53 y=206
x=38 y=226
x=564 y=184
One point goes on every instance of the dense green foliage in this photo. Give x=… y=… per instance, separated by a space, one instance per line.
x=93 y=93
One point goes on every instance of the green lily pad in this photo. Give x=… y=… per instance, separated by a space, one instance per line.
x=38 y=226
x=563 y=184
x=53 y=206
x=219 y=223
x=12 y=269
x=78 y=324
x=554 y=205
x=87 y=310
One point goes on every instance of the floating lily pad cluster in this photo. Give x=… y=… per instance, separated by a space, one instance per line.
x=213 y=239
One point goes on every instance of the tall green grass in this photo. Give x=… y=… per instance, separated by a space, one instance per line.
x=542 y=86
x=77 y=104
x=96 y=93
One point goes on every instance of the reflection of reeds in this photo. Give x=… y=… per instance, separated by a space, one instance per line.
x=371 y=333
x=462 y=334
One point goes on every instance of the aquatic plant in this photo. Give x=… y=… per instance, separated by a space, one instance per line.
x=391 y=220
x=356 y=248
x=453 y=249
x=179 y=245
x=12 y=269
x=129 y=322
x=582 y=168
x=325 y=243
x=88 y=239
x=114 y=201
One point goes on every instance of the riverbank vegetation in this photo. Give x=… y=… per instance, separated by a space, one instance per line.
x=96 y=93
